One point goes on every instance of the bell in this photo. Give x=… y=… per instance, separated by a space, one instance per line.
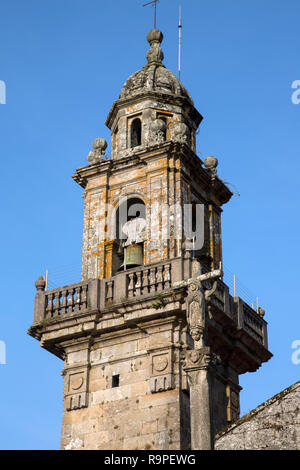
x=133 y=256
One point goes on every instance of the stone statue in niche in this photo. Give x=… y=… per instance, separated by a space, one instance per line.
x=97 y=154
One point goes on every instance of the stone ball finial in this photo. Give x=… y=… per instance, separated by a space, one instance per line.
x=100 y=144
x=40 y=284
x=211 y=164
x=96 y=155
x=261 y=312
x=155 y=55
x=155 y=35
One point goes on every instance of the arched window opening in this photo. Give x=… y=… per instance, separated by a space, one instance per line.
x=136 y=133
x=166 y=127
x=130 y=227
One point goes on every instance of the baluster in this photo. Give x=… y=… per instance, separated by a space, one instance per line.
x=49 y=309
x=131 y=285
x=167 y=276
x=159 y=278
x=57 y=303
x=152 y=279
x=138 y=285
x=84 y=296
x=145 y=281
x=71 y=301
x=78 y=299
x=64 y=302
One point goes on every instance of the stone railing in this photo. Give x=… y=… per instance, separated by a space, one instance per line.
x=65 y=301
x=243 y=316
x=251 y=322
x=145 y=280
x=98 y=295
x=222 y=300
x=149 y=280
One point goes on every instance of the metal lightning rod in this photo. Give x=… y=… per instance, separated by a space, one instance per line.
x=179 y=45
x=153 y=3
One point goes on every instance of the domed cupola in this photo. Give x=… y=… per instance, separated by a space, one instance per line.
x=153 y=107
x=154 y=76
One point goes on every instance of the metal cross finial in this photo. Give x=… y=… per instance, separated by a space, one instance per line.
x=153 y=3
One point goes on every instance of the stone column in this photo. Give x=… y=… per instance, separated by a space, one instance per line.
x=199 y=367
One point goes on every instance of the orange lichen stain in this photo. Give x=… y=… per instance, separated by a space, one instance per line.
x=178 y=164
x=130 y=109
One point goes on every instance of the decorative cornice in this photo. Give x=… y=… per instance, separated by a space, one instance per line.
x=165 y=97
x=215 y=187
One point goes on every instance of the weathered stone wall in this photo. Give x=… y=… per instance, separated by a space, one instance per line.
x=163 y=183
x=146 y=410
x=122 y=339
x=147 y=111
x=153 y=184
x=274 y=425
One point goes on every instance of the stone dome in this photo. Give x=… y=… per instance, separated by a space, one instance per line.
x=154 y=76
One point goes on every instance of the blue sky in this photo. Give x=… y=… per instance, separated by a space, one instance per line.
x=64 y=63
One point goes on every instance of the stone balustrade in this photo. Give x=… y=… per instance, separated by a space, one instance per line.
x=67 y=300
x=149 y=280
x=251 y=322
x=99 y=295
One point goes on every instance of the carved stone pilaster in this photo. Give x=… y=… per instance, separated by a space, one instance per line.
x=199 y=364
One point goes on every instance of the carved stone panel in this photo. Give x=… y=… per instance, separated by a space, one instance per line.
x=76 y=389
x=161 y=363
x=161 y=372
x=161 y=383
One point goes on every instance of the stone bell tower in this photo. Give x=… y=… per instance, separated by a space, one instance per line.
x=152 y=342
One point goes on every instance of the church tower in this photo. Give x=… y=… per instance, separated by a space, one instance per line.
x=152 y=341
